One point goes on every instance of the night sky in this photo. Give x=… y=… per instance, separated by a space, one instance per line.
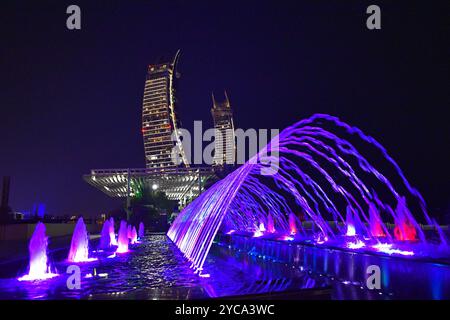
x=71 y=101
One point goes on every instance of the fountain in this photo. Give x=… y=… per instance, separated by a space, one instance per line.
x=79 y=247
x=129 y=230
x=141 y=232
x=112 y=234
x=123 y=238
x=134 y=237
x=39 y=268
x=314 y=169
x=105 y=239
x=270 y=224
x=292 y=224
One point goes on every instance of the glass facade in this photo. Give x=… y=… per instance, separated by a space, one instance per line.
x=224 y=132
x=159 y=119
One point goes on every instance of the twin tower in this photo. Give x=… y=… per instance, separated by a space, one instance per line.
x=160 y=121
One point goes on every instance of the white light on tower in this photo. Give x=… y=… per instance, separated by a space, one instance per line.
x=154 y=186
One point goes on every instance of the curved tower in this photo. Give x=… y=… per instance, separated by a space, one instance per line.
x=159 y=118
x=225 y=149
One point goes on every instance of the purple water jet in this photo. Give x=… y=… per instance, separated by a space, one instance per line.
x=123 y=238
x=38 y=268
x=112 y=233
x=79 y=247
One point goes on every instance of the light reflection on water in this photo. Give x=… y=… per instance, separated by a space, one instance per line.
x=346 y=271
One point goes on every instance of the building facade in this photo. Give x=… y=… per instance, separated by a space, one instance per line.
x=159 y=118
x=225 y=147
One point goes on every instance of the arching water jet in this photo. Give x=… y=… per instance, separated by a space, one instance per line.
x=319 y=173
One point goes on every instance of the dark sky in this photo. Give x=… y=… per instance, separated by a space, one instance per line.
x=71 y=100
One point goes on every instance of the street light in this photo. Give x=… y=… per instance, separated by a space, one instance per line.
x=154 y=186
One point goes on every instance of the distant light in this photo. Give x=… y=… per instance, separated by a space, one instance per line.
x=154 y=186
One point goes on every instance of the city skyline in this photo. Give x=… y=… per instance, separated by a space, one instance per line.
x=83 y=104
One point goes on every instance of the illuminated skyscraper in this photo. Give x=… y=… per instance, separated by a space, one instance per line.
x=159 y=120
x=224 y=140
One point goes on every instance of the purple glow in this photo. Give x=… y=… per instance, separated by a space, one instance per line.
x=105 y=239
x=79 y=247
x=331 y=183
x=287 y=238
x=39 y=268
x=356 y=245
x=123 y=238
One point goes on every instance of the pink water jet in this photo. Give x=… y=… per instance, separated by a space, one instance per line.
x=404 y=229
x=134 y=238
x=39 y=268
x=79 y=247
x=292 y=224
x=123 y=238
x=129 y=231
x=112 y=233
x=262 y=228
